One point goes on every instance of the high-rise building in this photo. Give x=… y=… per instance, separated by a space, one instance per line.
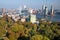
x=43 y=8
x=52 y=11
x=3 y=10
x=25 y=6
x=20 y=9
x=46 y=11
x=32 y=18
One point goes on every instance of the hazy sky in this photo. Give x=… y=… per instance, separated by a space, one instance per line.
x=30 y=3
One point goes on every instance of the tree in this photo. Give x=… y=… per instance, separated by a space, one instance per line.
x=39 y=37
x=2 y=32
x=16 y=27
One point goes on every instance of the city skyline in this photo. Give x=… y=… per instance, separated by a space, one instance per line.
x=13 y=4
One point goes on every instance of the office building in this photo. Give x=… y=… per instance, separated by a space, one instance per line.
x=20 y=9
x=52 y=11
x=46 y=11
x=43 y=9
x=32 y=18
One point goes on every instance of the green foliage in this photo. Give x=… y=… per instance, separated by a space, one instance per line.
x=2 y=32
x=10 y=30
x=4 y=38
x=39 y=37
x=16 y=27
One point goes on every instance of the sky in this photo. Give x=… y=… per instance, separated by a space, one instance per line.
x=13 y=4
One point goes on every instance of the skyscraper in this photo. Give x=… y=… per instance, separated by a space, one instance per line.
x=3 y=10
x=52 y=11
x=46 y=11
x=43 y=8
x=20 y=9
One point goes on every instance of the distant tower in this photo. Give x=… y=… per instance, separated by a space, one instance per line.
x=3 y=10
x=46 y=11
x=43 y=8
x=31 y=11
x=25 y=6
x=20 y=9
x=52 y=11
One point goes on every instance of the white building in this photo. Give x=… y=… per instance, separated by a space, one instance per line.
x=9 y=14
x=23 y=19
x=1 y=16
x=32 y=18
x=30 y=10
x=15 y=17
